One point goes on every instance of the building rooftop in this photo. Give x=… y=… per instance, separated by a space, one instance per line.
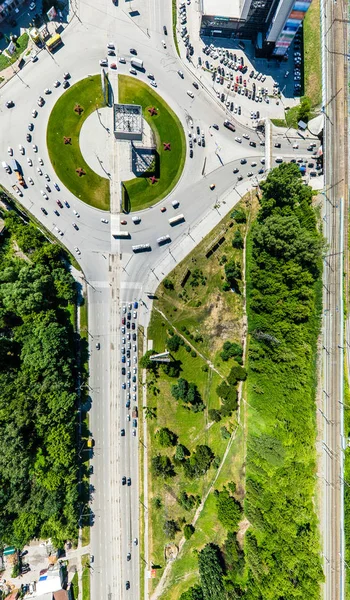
x=224 y=8
x=127 y=119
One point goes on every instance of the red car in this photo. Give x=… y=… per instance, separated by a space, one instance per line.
x=163 y=209
x=113 y=66
x=59 y=203
x=123 y=321
x=123 y=222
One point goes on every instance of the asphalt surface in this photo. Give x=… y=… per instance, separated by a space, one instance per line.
x=114 y=274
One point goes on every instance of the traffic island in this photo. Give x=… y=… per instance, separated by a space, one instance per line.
x=168 y=159
x=65 y=123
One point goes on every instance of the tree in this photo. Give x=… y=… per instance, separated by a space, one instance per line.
x=231 y=350
x=150 y=412
x=179 y=391
x=173 y=343
x=225 y=434
x=239 y=215
x=237 y=241
x=170 y=528
x=188 y=531
x=211 y=573
x=162 y=466
x=166 y=437
x=233 y=273
x=157 y=502
x=304 y=109
x=229 y=510
x=214 y=415
x=146 y=362
x=237 y=373
x=188 y=501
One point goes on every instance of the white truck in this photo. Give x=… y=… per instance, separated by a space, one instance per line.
x=137 y=63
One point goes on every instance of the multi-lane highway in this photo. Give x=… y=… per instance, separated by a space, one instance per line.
x=115 y=276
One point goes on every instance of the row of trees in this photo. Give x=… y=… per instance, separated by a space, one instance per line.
x=38 y=462
x=194 y=465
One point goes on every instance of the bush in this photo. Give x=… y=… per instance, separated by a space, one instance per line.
x=188 y=531
x=214 y=415
x=239 y=216
x=181 y=452
x=162 y=466
x=205 y=368
x=157 y=503
x=166 y=438
x=237 y=241
x=229 y=510
x=193 y=353
x=168 y=284
x=225 y=434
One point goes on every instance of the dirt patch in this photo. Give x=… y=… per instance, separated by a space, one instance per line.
x=219 y=324
x=243 y=526
x=170 y=552
x=18 y=252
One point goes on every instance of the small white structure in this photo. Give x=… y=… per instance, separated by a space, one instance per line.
x=128 y=121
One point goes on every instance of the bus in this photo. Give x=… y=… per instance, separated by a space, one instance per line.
x=53 y=42
x=175 y=220
x=164 y=239
x=142 y=248
x=121 y=234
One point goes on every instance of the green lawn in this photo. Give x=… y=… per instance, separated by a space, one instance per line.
x=312 y=53
x=21 y=44
x=86 y=583
x=166 y=128
x=75 y=587
x=207 y=317
x=66 y=158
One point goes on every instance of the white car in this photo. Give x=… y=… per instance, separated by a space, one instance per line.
x=163 y=44
x=29 y=161
x=253 y=164
x=246 y=136
x=133 y=71
x=34 y=113
x=10 y=151
x=122 y=60
x=238 y=139
x=77 y=250
x=33 y=57
x=190 y=94
x=58 y=231
x=47 y=177
x=104 y=220
x=21 y=149
x=41 y=162
x=30 y=181
x=44 y=194
x=104 y=62
x=57 y=83
x=153 y=84
x=39 y=170
x=35 y=148
x=47 y=91
x=295 y=146
x=76 y=213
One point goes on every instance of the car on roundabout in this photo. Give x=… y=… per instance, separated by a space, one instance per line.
x=28 y=137
x=29 y=161
x=163 y=209
x=30 y=181
x=35 y=148
x=75 y=226
x=43 y=210
x=9 y=104
x=47 y=91
x=65 y=84
x=212 y=186
x=56 y=83
x=34 y=113
x=123 y=222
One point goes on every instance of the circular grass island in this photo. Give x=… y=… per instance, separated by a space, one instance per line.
x=63 y=131
x=151 y=187
x=63 y=142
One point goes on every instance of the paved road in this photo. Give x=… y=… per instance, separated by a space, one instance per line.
x=114 y=274
x=335 y=228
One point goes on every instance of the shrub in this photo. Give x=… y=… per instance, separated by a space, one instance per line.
x=166 y=438
x=170 y=528
x=188 y=531
x=173 y=343
x=237 y=241
x=168 y=284
x=193 y=353
x=214 y=415
x=225 y=434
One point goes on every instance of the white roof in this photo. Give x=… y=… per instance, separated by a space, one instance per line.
x=222 y=8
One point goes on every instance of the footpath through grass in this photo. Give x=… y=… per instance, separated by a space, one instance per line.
x=166 y=127
x=21 y=44
x=65 y=122
x=312 y=53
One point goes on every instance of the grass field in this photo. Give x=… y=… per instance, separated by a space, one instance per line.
x=21 y=44
x=75 y=587
x=66 y=158
x=166 y=127
x=312 y=53
x=206 y=317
